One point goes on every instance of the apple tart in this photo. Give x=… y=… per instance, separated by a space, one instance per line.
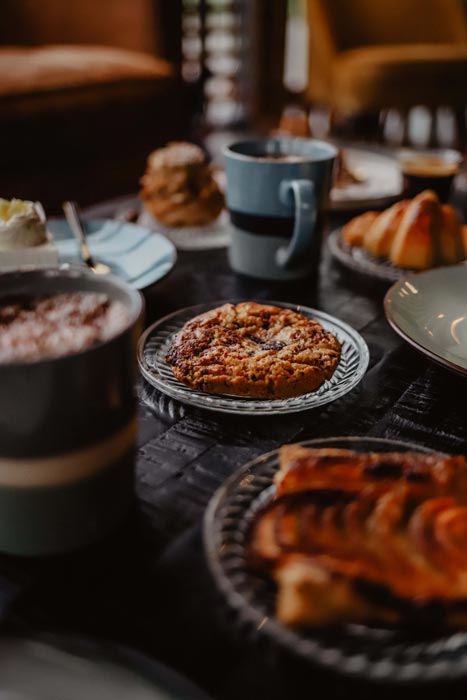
x=375 y=537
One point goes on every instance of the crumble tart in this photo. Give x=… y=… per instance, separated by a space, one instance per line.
x=254 y=350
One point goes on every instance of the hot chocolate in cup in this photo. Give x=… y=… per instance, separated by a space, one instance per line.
x=429 y=170
x=68 y=426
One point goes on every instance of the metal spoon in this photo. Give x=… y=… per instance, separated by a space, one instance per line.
x=71 y=212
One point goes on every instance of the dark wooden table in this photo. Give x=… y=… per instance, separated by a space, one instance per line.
x=148 y=585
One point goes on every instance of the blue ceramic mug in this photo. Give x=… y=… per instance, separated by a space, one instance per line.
x=276 y=192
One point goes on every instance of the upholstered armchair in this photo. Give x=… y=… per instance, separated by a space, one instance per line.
x=367 y=55
x=86 y=91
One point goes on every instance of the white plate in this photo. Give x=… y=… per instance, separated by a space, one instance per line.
x=134 y=253
x=429 y=310
x=155 y=342
x=215 y=235
x=52 y=666
x=382 y=185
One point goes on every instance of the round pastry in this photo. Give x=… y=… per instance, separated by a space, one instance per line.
x=255 y=350
x=178 y=187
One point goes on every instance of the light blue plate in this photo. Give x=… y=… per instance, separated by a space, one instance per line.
x=134 y=253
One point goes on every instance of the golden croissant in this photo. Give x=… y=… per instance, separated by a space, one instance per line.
x=417 y=233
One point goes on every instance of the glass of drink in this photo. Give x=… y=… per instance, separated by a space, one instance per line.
x=429 y=170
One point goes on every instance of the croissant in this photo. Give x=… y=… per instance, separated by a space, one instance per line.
x=353 y=537
x=416 y=234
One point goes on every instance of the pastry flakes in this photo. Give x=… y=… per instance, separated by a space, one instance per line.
x=377 y=537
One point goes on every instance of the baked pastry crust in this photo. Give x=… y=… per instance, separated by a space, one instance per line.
x=354 y=231
x=255 y=350
x=365 y=537
x=417 y=233
x=178 y=187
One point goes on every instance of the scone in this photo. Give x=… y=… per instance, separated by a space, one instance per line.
x=178 y=188
x=255 y=350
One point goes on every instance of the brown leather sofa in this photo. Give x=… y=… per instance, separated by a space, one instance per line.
x=86 y=92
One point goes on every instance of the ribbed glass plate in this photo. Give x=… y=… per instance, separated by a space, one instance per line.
x=155 y=342
x=389 y=654
x=361 y=261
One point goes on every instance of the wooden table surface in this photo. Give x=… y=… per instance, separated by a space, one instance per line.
x=148 y=585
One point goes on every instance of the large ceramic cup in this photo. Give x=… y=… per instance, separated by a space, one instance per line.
x=276 y=193
x=67 y=428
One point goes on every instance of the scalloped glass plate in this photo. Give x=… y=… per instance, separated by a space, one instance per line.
x=376 y=653
x=156 y=340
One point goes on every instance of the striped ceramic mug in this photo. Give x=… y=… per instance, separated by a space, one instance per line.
x=67 y=428
x=276 y=192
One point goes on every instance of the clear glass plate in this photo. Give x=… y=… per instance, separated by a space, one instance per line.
x=361 y=261
x=155 y=342
x=390 y=654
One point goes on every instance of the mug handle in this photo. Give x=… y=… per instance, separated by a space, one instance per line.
x=302 y=192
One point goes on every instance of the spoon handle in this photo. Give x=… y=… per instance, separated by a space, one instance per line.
x=71 y=212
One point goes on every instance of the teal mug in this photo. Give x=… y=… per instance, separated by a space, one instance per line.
x=276 y=193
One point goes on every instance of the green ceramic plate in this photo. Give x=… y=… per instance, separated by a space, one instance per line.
x=429 y=310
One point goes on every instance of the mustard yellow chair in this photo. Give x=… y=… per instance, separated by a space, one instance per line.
x=370 y=55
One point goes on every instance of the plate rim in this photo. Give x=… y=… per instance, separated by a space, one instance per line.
x=357 y=338
x=139 y=663
x=167 y=231
x=334 y=241
x=100 y=220
x=431 y=354
x=363 y=203
x=276 y=631
x=357 y=205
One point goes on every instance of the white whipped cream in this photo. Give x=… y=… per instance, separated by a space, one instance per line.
x=20 y=225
